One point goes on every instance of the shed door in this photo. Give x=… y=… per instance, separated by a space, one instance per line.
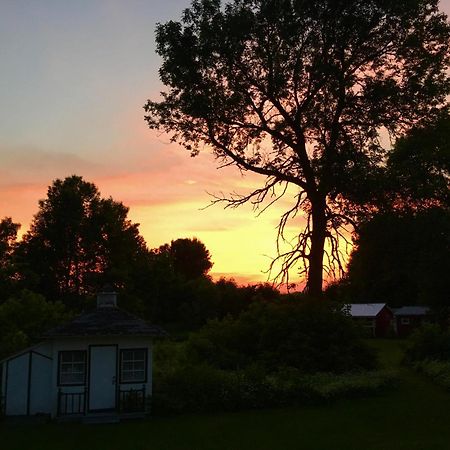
x=102 y=378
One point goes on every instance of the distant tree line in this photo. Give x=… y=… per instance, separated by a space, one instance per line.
x=79 y=241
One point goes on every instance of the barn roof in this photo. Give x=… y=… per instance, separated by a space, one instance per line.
x=365 y=309
x=106 y=322
x=412 y=311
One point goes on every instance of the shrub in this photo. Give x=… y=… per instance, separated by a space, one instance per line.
x=271 y=355
x=439 y=371
x=308 y=337
x=204 y=388
x=429 y=342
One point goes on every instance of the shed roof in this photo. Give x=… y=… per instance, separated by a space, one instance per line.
x=412 y=311
x=106 y=322
x=365 y=309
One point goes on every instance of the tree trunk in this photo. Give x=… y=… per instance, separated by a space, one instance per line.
x=319 y=228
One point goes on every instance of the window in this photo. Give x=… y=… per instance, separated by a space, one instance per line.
x=405 y=321
x=72 y=367
x=133 y=366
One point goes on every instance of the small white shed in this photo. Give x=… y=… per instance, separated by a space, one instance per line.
x=99 y=364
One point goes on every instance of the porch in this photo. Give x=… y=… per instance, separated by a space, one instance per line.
x=130 y=404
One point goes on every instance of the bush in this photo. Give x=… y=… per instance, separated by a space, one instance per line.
x=309 y=337
x=204 y=388
x=439 y=371
x=24 y=318
x=271 y=355
x=430 y=342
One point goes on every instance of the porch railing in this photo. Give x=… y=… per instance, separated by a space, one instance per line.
x=71 y=403
x=132 y=400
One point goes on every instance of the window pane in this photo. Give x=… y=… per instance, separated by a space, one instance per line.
x=139 y=365
x=139 y=375
x=66 y=368
x=127 y=366
x=72 y=367
x=79 y=357
x=78 y=367
x=127 y=355
x=133 y=365
x=139 y=355
x=72 y=378
x=66 y=356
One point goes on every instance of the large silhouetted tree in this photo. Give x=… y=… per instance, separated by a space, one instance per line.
x=299 y=91
x=78 y=241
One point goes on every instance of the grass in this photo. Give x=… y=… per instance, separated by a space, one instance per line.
x=414 y=417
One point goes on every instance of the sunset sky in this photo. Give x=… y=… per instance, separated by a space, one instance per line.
x=74 y=77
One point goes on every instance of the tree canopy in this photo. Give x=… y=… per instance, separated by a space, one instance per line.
x=301 y=92
x=78 y=241
x=419 y=166
x=8 y=236
x=188 y=258
x=402 y=258
x=24 y=317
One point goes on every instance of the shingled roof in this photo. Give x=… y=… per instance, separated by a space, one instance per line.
x=106 y=322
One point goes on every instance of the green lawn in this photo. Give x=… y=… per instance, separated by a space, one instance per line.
x=415 y=416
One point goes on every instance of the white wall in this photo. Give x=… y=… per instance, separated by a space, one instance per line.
x=122 y=342
x=43 y=387
x=26 y=381
x=17 y=385
x=41 y=384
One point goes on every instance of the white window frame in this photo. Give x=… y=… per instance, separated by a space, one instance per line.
x=135 y=363
x=69 y=366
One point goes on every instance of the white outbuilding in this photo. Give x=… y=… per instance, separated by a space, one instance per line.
x=97 y=366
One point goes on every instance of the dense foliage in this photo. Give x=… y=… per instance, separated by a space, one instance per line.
x=189 y=258
x=403 y=258
x=430 y=342
x=77 y=242
x=24 y=318
x=419 y=167
x=308 y=337
x=271 y=355
x=428 y=352
x=204 y=388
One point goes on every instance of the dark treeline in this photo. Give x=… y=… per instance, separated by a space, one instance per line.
x=77 y=243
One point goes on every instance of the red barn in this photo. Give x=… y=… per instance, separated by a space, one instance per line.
x=376 y=318
x=408 y=318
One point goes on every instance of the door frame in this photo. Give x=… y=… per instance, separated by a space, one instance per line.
x=90 y=346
